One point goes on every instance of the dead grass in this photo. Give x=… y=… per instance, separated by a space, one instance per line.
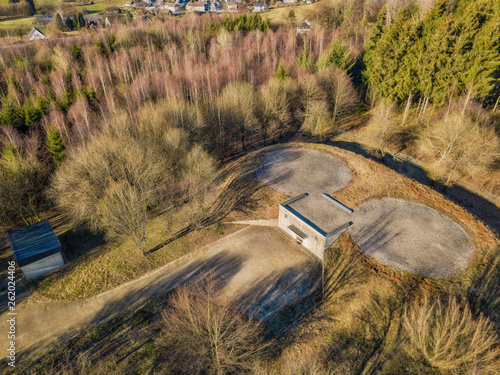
x=113 y=263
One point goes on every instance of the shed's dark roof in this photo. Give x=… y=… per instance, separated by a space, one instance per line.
x=33 y=240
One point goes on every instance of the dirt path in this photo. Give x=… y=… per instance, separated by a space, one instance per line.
x=257 y=265
x=260 y=223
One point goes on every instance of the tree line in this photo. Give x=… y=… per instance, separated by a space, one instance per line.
x=217 y=91
x=25 y=8
x=454 y=49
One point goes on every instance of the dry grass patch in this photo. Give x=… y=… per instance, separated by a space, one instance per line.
x=113 y=263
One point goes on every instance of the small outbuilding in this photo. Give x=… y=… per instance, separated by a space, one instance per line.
x=36 y=249
x=314 y=221
x=304 y=27
x=260 y=7
x=35 y=34
x=198 y=6
x=172 y=7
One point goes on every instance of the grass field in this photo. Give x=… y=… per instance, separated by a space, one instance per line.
x=69 y=8
x=279 y=16
x=17 y=23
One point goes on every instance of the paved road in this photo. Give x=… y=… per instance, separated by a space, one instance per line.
x=258 y=266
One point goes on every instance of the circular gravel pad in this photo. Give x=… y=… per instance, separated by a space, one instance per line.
x=294 y=171
x=411 y=237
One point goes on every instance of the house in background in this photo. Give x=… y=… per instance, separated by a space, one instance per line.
x=36 y=249
x=290 y=1
x=231 y=5
x=198 y=6
x=172 y=7
x=304 y=27
x=215 y=6
x=315 y=222
x=260 y=7
x=92 y=25
x=35 y=34
x=43 y=20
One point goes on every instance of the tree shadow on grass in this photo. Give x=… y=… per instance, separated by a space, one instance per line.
x=484 y=292
x=486 y=211
x=79 y=241
x=362 y=348
x=238 y=195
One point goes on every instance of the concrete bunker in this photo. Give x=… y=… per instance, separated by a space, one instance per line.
x=314 y=221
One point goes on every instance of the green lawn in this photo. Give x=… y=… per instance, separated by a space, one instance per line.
x=16 y=23
x=70 y=8
x=279 y=16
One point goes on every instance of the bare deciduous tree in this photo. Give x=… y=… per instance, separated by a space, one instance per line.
x=452 y=143
x=199 y=177
x=275 y=104
x=238 y=105
x=204 y=333
x=340 y=91
x=317 y=118
x=23 y=179
x=118 y=179
x=381 y=126
x=123 y=210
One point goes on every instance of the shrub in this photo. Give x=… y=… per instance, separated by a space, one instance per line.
x=447 y=337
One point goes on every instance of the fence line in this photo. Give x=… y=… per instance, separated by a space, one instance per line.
x=489 y=196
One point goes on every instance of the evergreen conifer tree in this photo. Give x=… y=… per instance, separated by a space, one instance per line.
x=58 y=23
x=31 y=6
x=281 y=73
x=31 y=114
x=305 y=59
x=55 y=144
x=10 y=114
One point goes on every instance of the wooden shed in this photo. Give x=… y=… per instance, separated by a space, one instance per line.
x=36 y=249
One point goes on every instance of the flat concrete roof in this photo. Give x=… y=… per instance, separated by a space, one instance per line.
x=322 y=211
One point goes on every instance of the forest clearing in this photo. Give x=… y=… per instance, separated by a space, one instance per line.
x=163 y=151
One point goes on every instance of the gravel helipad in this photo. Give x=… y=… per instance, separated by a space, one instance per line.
x=411 y=237
x=293 y=171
